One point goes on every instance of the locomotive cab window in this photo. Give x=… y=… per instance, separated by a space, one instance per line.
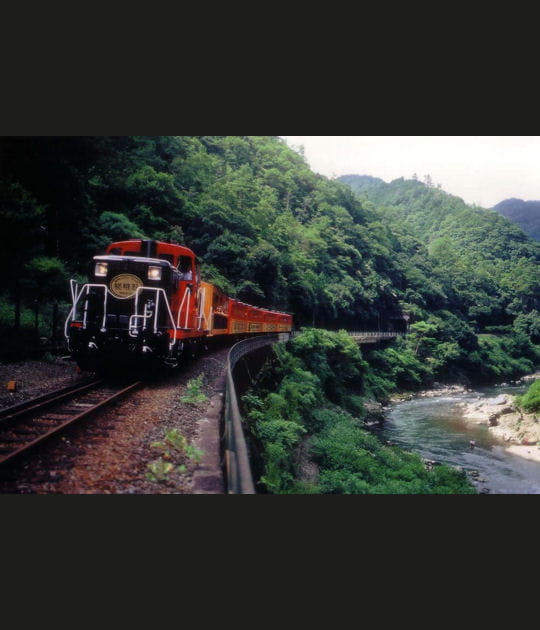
x=184 y=267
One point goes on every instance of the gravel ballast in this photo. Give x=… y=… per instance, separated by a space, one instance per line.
x=33 y=378
x=124 y=449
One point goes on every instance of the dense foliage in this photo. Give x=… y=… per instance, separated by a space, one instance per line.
x=471 y=283
x=272 y=233
x=354 y=254
x=266 y=228
x=306 y=412
x=525 y=213
x=530 y=401
x=481 y=266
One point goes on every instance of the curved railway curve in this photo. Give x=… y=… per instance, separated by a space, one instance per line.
x=111 y=454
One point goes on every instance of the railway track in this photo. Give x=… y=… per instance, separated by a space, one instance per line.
x=28 y=424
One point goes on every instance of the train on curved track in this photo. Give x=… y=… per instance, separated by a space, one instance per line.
x=145 y=302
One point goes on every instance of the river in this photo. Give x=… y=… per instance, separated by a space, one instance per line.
x=434 y=428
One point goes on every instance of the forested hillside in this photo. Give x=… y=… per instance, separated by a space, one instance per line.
x=350 y=254
x=484 y=267
x=267 y=229
x=271 y=232
x=525 y=213
x=473 y=281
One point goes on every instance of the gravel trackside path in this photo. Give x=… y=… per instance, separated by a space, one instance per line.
x=115 y=452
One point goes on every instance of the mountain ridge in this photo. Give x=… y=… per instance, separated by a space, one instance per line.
x=526 y=214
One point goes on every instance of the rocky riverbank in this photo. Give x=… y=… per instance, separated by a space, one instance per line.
x=519 y=430
x=438 y=390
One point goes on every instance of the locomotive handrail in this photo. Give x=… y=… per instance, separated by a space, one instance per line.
x=237 y=467
x=105 y=293
x=159 y=291
x=133 y=331
x=77 y=296
x=184 y=297
x=201 y=299
x=73 y=285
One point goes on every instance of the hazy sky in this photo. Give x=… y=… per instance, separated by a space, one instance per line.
x=480 y=169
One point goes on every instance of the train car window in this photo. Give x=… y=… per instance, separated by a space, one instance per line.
x=167 y=257
x=115 y=251
x=220 y=301
x=132 y=253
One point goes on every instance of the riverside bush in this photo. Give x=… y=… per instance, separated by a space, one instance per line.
x=353 y=461
x=290 y=418
x=412 y=363
x=500 y=358
x=530 y=401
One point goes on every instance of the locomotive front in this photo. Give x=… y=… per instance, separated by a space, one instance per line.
x=126 y=311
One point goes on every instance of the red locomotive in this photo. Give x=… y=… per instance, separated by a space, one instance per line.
x=145 y=300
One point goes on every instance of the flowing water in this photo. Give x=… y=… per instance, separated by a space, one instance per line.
x=434 y=428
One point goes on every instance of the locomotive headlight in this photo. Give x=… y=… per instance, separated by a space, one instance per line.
x=154 y=273
x=101 y=269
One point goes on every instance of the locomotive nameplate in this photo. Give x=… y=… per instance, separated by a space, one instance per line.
x=125 y=285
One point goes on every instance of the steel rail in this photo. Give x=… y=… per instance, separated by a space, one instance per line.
x=53 y=430
x=40 y=402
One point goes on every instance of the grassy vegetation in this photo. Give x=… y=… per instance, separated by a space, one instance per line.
x=194 y=394
x=173 y=448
